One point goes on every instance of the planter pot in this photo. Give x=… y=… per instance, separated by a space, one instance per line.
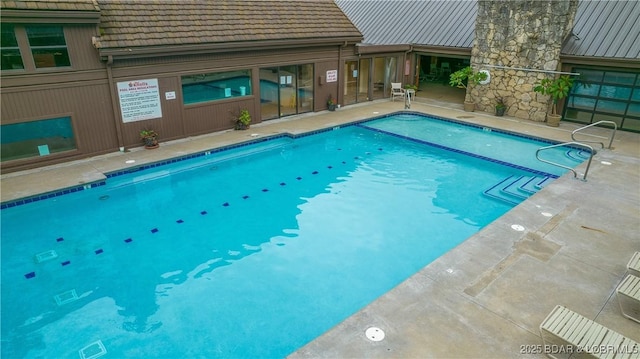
x=151 y=142
x=332 y=107
x=553 y=120
x=242 y=126
x=469 y=106
x=500 y=111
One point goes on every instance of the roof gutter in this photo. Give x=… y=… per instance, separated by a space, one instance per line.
x=173 y=50
x=50 y=17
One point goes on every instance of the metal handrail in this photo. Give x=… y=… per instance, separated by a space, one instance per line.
x=613 y=134
x=575 y=174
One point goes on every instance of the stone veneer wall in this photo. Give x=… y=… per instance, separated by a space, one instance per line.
x=524 y=34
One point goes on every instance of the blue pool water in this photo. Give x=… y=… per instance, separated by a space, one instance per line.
x=249 y=252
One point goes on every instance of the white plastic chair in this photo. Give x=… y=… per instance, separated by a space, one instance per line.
x=396 y=90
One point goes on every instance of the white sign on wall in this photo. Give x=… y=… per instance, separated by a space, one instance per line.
x=139 y=100
x=332 y=75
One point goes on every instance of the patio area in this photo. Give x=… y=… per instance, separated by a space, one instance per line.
x=487 y=296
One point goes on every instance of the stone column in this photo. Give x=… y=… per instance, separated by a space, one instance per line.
x=519 y=34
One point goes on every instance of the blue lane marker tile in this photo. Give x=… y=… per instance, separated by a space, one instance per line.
x=128 y=240
x=203 y=213
x=99 y=251
x=314 y=172
x=155 y=230
x=329 y=167
x=339 y=149
x=30 y=275
x=356 y=157
x=245 y=197
x=265 y=190
x=65 y=263
x=283 y=184
x=380 y=149
x=179 y=221
x=60 y=239
x=298 y=178
x=344 y=163
x=226 y=204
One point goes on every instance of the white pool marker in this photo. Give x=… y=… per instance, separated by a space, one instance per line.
x=130 y=161
x=546 y=214
x=375 y=112
x=606 y=163
x=374 y=334
x=66 y=297
x=449 y=270
x=93 y=350
x=255 y=134
x=517 y=227
x=46 y=256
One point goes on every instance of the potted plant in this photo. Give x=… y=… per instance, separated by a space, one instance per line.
x=500 y=107
x=242 y=120
x=150 y=138
x=411 y=87
x=463 y=77
x=556 y=89
x=331 y=103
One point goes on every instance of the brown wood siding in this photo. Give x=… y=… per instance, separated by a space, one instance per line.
x=81 y=51
x=88 y=105
x=205 y=119
x=85 y=95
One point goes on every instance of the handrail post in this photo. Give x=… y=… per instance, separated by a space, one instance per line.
x=575 y=174
x=615 y=129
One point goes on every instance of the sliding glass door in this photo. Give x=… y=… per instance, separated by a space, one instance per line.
x=286 y=90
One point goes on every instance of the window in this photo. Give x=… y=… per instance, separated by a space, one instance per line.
x=609 y=95
x=10 y=53
x=37 y=138
x=48 y=46
x=215 y=86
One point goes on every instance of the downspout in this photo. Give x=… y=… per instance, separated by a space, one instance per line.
x=340 y=84
x=114 y=103
x=404 y=61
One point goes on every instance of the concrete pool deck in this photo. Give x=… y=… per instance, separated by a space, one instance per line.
x=487 y=296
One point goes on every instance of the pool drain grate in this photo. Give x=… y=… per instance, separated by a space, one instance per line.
x=46 y=256
x=93 y=350
x=66 y=297
x=374 y=334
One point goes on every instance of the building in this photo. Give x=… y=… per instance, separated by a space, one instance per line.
x=84 y=77
x=435 y=38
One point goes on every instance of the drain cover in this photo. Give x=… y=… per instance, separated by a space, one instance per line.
x=374 y=334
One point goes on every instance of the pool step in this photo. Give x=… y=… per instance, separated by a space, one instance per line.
x=578 y=154
x=515 y=189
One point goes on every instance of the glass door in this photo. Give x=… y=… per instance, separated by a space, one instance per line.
x=286 y=90
x=350 y=82
x=379 y=75
x=269 y=97
x=364 y=80
x=305 y=88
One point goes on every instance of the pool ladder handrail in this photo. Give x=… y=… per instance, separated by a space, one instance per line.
x=575 y=174
x=613 y=134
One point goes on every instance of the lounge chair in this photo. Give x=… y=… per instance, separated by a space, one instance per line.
x=396 y=90
x=566 y=332
x=634 y=265
x=628 y=293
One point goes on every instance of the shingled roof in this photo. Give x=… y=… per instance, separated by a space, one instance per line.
x=131 y=24
x=50 y=11
x=50 y=5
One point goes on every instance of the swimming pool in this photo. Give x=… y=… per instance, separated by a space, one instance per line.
x=248 y=252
